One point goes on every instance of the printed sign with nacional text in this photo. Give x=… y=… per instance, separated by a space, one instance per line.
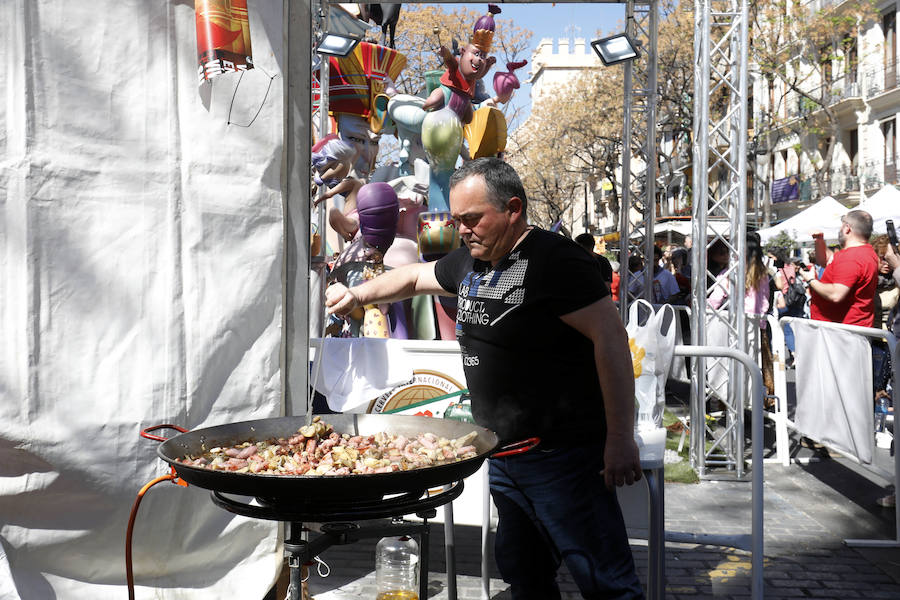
x=428 y=393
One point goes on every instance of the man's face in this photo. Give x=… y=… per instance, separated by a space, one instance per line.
x=842 y=233
x=472 y=62
x=487 y=231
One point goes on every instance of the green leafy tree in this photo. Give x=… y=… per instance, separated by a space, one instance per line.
x=808 y=59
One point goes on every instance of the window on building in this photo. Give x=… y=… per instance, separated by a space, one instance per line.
x=889 y=27
x=851 y=58
x=853 y=151
x=771 y=83
x=889 y=130
x=751 y=118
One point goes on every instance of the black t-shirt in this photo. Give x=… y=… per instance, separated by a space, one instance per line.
x=529 y=373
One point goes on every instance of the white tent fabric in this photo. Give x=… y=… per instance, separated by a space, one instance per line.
x=141 y=245
x=825 y=216
x=883 y=205
x=722 y=228
x=684 y=227
x=834 y=388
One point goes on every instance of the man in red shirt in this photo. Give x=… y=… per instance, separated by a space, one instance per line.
x=846 y=291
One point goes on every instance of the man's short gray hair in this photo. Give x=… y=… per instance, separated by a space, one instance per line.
x=860 y=222
x=500 y=179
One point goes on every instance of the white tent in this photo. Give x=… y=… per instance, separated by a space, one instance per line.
x=825 y=216
x=142 y=245
x=722 y=228
x=684 y=227
x=883 y=205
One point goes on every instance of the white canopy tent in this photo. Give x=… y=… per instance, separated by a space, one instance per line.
x=825 y=216
x=142 y=259
x=883 y=205
x=722 y=228
x=683 y=228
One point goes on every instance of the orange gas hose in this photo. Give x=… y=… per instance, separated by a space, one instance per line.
x=129 y=572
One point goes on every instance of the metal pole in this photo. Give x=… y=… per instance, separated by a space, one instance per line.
x=739 y=146
x=625 y=204
x=650 y=151
x=485 y=534
x=298 y=19
x=699 y=208
x=756 y=394
x=449 y=549
x=318 y=261
x=586 y=221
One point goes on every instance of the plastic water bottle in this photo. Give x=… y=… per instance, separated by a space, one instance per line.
x=881 y=411
x=397 y=569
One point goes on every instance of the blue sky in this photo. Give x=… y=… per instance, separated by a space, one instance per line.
x=555 y=21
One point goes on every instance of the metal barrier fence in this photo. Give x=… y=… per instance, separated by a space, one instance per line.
x=756 y=518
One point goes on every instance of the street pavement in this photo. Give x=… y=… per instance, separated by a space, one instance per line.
x=809 y=511
x=810 y=508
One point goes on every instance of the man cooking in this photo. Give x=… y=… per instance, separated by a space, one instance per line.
x=545 y=355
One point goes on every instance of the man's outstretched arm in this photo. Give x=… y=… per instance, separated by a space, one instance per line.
x=397 y=284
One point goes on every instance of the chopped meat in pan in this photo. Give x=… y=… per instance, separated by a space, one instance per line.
x=317 y=450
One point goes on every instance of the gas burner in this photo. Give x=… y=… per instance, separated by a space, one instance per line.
x=338 y=528
x=324 y=511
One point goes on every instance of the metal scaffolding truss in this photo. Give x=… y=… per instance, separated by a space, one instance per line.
x=639 y=144
x=719 y=190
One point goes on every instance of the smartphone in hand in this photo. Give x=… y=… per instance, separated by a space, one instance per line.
x=892 y=235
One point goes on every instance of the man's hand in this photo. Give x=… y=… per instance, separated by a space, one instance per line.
x=339 y=300
x=806 y=275
x=621 y=459
x=891 y=257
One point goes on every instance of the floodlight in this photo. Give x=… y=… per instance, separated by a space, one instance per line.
x=336 y=45
x=615 y=49
x=342 y=32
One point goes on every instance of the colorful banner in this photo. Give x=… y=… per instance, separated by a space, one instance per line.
x=223 y=37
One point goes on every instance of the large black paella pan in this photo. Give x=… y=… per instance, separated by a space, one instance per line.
x=340 y=489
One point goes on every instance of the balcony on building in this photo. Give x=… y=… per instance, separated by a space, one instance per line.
x=882 y=88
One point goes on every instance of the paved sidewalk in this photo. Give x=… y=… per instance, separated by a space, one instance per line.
x=809 y=510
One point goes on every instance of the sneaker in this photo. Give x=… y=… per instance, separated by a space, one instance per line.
x=888 y=501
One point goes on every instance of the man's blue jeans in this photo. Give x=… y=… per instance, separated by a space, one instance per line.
x=553 y=506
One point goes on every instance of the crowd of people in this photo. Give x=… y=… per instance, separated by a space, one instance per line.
x=854 y=282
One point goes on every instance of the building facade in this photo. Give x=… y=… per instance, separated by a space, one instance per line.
x=857 y=81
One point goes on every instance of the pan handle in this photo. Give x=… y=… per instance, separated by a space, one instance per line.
x=519 y=447
x=145 y=433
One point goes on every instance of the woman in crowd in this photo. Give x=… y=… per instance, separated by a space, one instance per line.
x=785 y=276
x=756 y=305
x=886 y=293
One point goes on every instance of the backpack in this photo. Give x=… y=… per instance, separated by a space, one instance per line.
x=795 y=297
